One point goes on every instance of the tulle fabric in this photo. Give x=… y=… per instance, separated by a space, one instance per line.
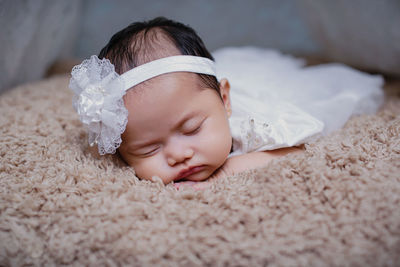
x=98 y=92
x=278 y=102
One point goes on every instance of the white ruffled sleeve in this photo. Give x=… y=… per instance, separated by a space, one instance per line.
x=258 y=125
x=278 y=102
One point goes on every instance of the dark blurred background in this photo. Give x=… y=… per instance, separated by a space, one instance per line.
x=362 y=33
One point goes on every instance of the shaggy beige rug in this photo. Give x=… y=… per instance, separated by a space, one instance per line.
x=338 y=204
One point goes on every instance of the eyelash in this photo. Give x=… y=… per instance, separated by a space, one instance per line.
x=192 y=132
x=150 y=153
x=196 y=130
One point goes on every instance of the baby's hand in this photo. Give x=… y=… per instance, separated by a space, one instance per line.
x=231 y=167
x=253 y=160
x=241 y=163
x=195 y=185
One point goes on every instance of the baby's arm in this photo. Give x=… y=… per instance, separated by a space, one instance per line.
x=237 y=164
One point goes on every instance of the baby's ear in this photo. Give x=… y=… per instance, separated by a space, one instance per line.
x=224 y=88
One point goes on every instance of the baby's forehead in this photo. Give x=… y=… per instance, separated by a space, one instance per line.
x=152 y=87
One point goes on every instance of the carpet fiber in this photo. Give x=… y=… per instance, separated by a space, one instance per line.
x=338 y=204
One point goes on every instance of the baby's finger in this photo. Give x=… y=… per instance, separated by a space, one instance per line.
x=201 y=185
x=185 y=183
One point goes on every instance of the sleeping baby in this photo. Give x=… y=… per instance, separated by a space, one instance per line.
x=153 y=96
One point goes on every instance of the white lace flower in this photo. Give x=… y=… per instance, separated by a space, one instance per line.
x=98 y=101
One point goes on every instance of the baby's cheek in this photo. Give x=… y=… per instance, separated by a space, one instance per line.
x=148 y=167
x=219 y=144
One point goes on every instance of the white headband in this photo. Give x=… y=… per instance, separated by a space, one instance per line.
x=166 y=65
x=98 y=92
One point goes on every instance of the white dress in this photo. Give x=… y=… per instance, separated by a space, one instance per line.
x=277 y=102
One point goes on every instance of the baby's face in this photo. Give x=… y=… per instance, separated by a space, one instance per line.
x=176 y=129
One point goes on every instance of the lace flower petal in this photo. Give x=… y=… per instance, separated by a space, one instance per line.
x=98 y=92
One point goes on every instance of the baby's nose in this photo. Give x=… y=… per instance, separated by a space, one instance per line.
x=178 y=155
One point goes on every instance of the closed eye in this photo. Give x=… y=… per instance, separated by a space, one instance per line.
x=194 y=131
x=148 y=153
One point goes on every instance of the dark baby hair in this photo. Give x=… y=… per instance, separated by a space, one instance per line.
x=133 y=45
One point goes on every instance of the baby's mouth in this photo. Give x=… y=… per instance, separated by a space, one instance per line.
x=189 y=171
